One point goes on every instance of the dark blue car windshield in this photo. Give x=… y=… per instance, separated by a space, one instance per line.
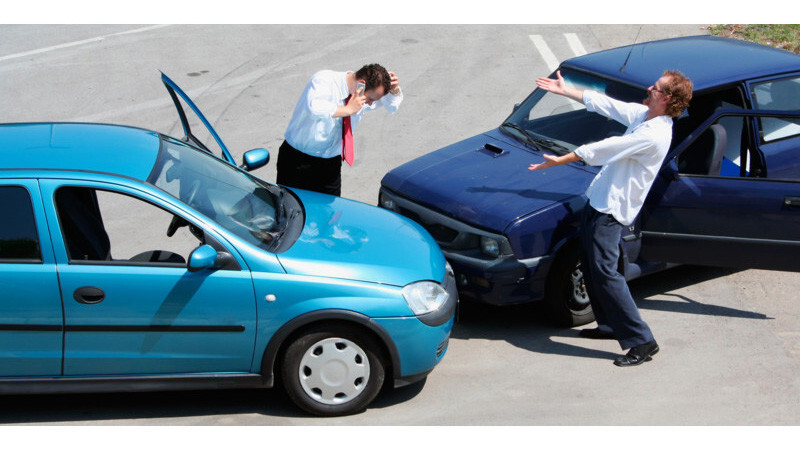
x=558 y=124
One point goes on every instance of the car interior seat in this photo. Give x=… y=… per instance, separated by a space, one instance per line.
x=82 y=224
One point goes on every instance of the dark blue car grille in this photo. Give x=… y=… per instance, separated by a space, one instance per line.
x=442 y=234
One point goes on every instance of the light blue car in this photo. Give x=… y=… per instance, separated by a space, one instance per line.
x=133 y=261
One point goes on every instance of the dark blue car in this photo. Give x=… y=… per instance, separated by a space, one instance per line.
x=728 y=193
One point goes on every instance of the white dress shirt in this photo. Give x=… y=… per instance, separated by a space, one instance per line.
x=313 y=129
x=630 y=162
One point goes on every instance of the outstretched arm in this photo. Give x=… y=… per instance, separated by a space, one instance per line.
x=559 y=86
x=552 y=160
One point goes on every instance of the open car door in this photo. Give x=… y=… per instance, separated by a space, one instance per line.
x=744 y=218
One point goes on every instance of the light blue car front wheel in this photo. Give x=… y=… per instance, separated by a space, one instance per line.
x=333 y=371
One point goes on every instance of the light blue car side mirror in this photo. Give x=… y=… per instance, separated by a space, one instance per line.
x=254 y=159
x=203 y=257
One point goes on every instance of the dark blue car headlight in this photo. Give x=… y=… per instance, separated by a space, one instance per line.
x=387 y=202
x=424 y=297
x=490 y=246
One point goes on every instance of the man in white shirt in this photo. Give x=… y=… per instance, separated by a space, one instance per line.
x=630 y=164
x=312 y=153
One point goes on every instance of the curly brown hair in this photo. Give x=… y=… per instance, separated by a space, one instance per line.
x=375 y=75
x=679 y=88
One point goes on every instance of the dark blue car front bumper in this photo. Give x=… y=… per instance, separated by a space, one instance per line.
x=501 y=280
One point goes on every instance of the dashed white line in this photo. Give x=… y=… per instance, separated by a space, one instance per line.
x=549 y=57
x=77 y=43
x=544 y=50
x=575 y=44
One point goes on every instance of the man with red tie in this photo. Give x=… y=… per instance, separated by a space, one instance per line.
x=319 y=135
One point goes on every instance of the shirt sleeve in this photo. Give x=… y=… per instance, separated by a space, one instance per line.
x=392 y=102
x=623 y=112
x=320 y=97
x=612 y=149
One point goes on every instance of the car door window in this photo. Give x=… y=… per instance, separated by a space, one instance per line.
x=722 y=148
x=778 y=95
x=100 y=225
x=19 y=241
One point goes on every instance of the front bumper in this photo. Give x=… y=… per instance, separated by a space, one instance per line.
x=503 y=281
x=422 y=341
x=499 y=281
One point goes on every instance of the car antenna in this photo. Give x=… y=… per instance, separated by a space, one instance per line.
x=622 y=69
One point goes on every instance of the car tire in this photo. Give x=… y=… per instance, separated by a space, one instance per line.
x=333 y=371
x=566 y=300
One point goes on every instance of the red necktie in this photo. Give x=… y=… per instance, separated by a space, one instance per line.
x=347 y=138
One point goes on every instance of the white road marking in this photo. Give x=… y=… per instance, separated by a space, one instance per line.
x=77 y=43
x=544 y=50
x=575 y=44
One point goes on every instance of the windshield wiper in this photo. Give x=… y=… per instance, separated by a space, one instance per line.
x=537 y=143
x=527 y=138
x=276 y=236
x=551 y=145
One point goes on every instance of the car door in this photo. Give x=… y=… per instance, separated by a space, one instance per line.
x=741 y=209
x=196 y=128
x=31 y=321
x=131 y=306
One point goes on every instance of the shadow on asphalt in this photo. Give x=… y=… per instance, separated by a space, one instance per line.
x=153 y=405
x=116 y=406
x=527 y=327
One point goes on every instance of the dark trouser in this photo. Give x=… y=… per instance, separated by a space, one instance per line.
x=612 y=303
x=297 y=169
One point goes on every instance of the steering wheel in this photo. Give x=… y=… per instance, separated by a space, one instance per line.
x=178 y=221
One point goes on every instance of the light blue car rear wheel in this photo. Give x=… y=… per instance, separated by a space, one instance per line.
x=332 y=372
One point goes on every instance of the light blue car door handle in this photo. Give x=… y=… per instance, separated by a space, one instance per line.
x=89 y=295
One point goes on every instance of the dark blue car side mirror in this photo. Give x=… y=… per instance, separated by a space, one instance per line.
x=254 y=159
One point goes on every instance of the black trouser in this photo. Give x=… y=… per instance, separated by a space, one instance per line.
x=612 y=303
x=302 y=171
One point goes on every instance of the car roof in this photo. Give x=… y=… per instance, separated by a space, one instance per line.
x=708 y=61
x=115 y=149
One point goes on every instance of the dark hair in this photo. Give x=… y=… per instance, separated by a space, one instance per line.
x=679 y=88
x=375 y=75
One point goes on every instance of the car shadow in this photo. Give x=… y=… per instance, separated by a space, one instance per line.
x=66 y=408
x=149 y=405
x=659 y=284
x=527 y=327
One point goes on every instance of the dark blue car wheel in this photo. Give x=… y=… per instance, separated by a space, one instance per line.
x=333 y=371
x=566 y=300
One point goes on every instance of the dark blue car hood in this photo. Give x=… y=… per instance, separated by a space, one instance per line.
x=483 y=188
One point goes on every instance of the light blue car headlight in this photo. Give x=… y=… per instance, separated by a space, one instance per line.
x=425 y=296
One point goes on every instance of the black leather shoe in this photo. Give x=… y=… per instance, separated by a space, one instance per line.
x=638 y=355
x=596 y=333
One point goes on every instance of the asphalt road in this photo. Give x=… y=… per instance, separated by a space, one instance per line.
x=730 y=340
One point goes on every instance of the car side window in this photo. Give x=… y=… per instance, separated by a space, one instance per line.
x=106 y=226
x=19 y=240
x=721 y=149
x=778 y=95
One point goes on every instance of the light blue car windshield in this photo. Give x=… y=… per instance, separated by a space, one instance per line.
x=240 y=203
